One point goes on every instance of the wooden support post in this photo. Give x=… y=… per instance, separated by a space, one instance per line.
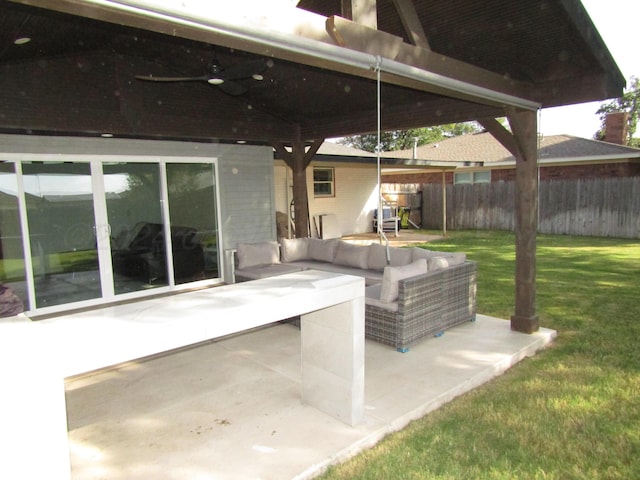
x=298 y=158
x=524 y=127
x=523 y=144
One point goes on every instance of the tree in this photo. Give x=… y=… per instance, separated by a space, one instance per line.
x=405 y=139
x=630 y=103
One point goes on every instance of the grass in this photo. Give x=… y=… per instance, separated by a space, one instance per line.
x=570 y=412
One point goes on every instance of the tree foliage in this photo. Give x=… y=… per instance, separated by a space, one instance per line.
x=405 y=139
x=630 y=103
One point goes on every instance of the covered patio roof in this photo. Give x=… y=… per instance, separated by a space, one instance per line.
x=441 y=62
x=72 y=66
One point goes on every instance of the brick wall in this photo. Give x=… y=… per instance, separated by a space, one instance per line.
x=605 y=170
x=616 y=127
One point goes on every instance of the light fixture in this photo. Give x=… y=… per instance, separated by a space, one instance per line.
x=22 y=40
x=215 y=81
x=257 y=76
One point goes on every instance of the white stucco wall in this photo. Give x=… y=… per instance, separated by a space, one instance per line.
x=356 y=195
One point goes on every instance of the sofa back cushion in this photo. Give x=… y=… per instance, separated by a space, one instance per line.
x=253 y=254
x=401 y=256
x=392 y=275
x=350 y=255
x=438 y=260
x=294 y=249
x=377 y=257
x=322 y=250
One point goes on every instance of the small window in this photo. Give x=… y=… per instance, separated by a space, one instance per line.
x=323 y=182
x=482 y=177
x=462 y=178
x=471 y=177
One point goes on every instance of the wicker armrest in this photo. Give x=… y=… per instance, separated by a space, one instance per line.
x=428 y=304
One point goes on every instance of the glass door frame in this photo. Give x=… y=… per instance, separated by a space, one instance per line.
x=102 y=227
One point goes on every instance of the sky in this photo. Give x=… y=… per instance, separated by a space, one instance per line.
x=616 y=21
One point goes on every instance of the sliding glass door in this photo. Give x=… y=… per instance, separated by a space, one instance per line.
x=134 y=215
x=104 y=230
x=60 y=211
x=12 y=262
x=194 y=232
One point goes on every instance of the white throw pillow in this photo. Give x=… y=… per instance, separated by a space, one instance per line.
x=437 y=263
x=294 y=249
x=253 y=254
x=392 y=275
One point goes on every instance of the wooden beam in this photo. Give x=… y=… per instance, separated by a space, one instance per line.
x=365 y=12
x=524 y=126
x=502 y=135
x=412 y=114
x=358 y=37
x=362 y=38
x=411 y=23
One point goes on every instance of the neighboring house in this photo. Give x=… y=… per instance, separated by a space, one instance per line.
x=480 y=158
x=342 y=183
x=342 y=187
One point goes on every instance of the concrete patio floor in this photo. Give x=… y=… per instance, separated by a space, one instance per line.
x=406 y=237
x=231 y=409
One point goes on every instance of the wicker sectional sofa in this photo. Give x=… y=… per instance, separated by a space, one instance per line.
x=410 y=292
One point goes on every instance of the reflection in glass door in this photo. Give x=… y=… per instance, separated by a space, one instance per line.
x=194 y=232
x=138 y=255
x=97 y=230
x=12 y=265
x=60 y=213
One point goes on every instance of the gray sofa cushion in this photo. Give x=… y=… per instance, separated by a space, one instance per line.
x=253 y=254
x=377 y=257
x=391 y=276
x=372 y=297
x=322 y=250
x=352 y=255
x=401 y=256
x=294 y=249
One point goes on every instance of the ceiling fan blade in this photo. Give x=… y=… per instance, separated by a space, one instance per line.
x=244 y=69
x=153 y=78
x=232 y=88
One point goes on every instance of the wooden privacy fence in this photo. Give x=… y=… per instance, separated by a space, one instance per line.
x=601 y=207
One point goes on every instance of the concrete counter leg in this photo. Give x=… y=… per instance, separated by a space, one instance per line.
x=333 y=360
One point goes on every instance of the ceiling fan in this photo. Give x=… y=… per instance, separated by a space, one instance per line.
x=224 y=78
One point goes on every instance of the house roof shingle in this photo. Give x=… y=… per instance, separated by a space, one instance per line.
x=483 y=147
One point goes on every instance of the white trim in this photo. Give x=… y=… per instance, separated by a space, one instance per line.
x=563 y=160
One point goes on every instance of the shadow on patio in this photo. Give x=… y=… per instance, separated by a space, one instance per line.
x=231 y=409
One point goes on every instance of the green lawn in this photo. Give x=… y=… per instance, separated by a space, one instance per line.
x=570 y=412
